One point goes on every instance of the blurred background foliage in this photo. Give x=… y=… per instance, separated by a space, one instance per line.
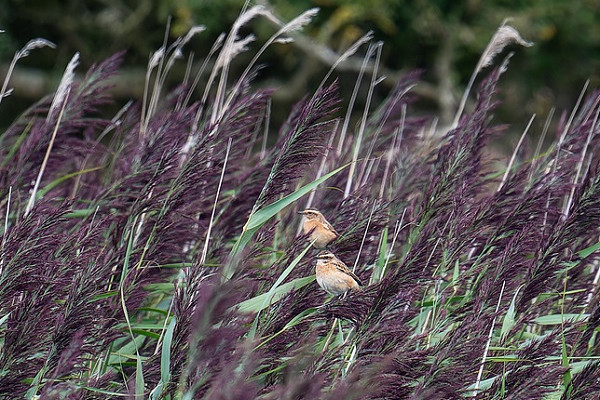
x=444 y=38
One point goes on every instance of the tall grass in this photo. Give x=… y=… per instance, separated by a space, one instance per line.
x=157 y=254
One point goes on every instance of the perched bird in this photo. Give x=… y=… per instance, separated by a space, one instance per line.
x=320 y=230
x=334 y=276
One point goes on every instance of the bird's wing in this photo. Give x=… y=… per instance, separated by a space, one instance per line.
x=330 y=227
x=343 y=268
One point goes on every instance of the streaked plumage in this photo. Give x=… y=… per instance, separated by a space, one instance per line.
x=320 y=229
x=334 y=276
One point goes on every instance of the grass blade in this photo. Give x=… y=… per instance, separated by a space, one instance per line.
x=269 y=295
x=509 y=319
x=260 y=302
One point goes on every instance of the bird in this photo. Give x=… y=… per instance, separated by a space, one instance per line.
x=334 y=276
x=321 y=231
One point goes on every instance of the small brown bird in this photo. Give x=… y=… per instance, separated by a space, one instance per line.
x=321 y=230
x=334 y=276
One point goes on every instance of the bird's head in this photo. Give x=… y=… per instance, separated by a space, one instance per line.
x=326 y=256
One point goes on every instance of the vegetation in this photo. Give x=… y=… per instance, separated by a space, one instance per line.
x=157 y=254
x=442 y=38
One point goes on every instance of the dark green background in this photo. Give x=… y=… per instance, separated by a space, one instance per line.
x=443 y=38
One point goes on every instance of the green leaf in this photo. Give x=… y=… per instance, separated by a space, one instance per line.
x=61 y=179
x=139 y=379
x=589 y=250
x=558 y=319
x=165 y=362
x=102 y=391
x=578 y=366
x=85 y=212
x=105 y=295
x=35 y=384
x=278 y=368
x=165 y=355
x=456 y=273
x=141 y=325
x=3 y=319
x=128 y=250
x=258 y=303
x=16 y=145
x=160 y=287
x=269 y=295
x=507 y=358
x=565 y=364
x=126 y=351
x=483 y=385
x=154 y=310
x=377 y=274
x=285 y=274
x=176 y=265
x=509 y=319
x=145 y=333
x=293 y=322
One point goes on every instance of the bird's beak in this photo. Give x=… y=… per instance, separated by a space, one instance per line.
x=300 y=212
